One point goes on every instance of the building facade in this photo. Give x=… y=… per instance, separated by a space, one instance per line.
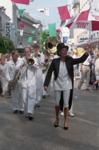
x=4 y=23
x=18 y=28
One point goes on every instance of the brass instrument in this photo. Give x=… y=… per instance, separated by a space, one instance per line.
x=12 y=83
x=45 y=65
x=30 y=61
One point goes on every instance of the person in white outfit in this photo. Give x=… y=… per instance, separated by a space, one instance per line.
x=28 y=84
x=97 y=67
x=85 y=73
x=13 y=68
x=39 y=61
x=3 y=79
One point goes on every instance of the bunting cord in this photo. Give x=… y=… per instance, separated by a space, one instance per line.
x=87 y=2
x=69 y=5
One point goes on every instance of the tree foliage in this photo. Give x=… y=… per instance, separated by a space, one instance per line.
x=6 y=45
x=43 y=37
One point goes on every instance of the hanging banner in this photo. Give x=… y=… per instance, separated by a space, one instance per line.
x=21 y=1
x=30 y=40
x=21 y=25
x=64 y=13
x=21 y=11
x=52 y=30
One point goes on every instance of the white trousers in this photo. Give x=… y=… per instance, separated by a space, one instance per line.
x=29 y=98
x=97 y=73
x=16 y=96
x=85 y=76
x=39 y=86
x=4 y=86
x=66 y=95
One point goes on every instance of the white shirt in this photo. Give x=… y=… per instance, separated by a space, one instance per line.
x=87 y=61
x=97 y=63
x=63 y=81
x=12 y=68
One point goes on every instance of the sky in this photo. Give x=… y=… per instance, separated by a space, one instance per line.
x=8 y=5
x=38 y=4
x=53 y=11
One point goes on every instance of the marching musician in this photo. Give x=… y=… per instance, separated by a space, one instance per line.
x=13 y=67
x=39 y=61
x=4 y=82
x=28 y=83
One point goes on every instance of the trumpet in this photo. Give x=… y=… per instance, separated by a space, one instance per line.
x=30 y=61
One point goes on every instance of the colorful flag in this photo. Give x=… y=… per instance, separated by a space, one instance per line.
x=64 y=13
x=21 y=1
x=21 y=11
x=83 y=16
x=21 y=25
x=52 y=30
x=30 y=40
x=33 y=31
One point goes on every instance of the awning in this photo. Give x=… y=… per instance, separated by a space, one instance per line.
x=87 y=17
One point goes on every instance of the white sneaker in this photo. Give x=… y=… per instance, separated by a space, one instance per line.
x=62 y=114
x=71 y=114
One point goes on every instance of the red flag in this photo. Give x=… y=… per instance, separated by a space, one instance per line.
x=64 y=13
x=21 y=25
x=95 y=25
x=21 y=1
x=83 y=16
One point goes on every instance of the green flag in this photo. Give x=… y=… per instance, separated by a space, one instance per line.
x=30 y=40
x=21 y=11
x=52 y=30
x=33 y=31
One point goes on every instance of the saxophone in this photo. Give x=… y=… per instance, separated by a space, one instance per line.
x=12 y=84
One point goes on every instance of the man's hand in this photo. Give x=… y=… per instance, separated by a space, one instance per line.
x=45 y=88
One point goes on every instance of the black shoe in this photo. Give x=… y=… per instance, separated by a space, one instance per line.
x=30 y=118
x=37 y=106
x=44 y=96
x=15 y=111
x=56 y=124
x=21 y=112
x=66 y=128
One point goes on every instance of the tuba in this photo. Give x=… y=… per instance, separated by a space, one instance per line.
x=51 y=48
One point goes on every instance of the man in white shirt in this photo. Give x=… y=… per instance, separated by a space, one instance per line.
x=13 y=68
x=27 y=83
x=97 y=67
x=85 y=73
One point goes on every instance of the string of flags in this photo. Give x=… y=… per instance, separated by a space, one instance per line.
x=21 y=1
x=64 y=13
x=62 y=10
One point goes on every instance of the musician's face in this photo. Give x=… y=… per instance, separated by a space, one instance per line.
x=15 y=57
x=36 y=50
x=27 y=53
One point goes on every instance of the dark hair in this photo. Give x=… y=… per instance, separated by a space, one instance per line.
x=14 y=52
x=61 y=46
x=36 y=45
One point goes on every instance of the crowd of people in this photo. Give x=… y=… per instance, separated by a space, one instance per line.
x=26 y=77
